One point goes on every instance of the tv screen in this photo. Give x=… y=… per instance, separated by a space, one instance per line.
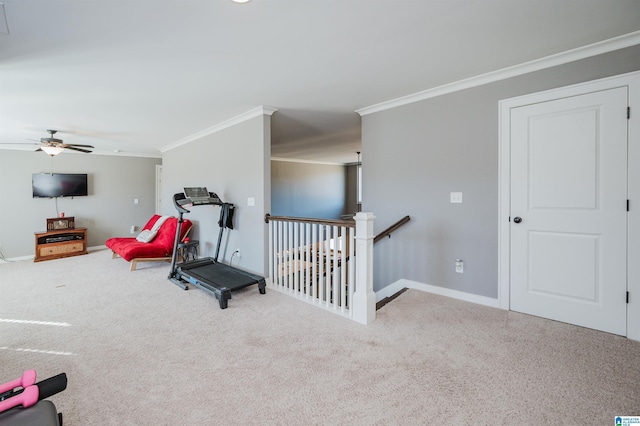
x=49 y=185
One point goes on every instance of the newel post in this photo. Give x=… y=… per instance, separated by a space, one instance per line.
x=364 y=299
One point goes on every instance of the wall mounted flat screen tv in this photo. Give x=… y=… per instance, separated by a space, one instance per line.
x=49 y=185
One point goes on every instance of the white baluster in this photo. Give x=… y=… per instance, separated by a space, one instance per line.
x=279 y=253
x=314 y=261
x=335 y=279
x=271 y=251
x=307 y=269
x=352 y=268
x=343 y=267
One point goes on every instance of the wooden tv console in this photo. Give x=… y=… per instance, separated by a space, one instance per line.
x=60 y=243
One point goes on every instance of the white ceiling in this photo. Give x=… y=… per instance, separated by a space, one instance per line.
x=140 y=75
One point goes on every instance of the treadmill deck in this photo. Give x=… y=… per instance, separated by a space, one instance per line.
x=216 y=278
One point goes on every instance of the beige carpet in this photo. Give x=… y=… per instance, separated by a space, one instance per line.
x=141 y=351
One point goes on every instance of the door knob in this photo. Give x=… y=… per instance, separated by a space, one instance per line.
x=517 y=219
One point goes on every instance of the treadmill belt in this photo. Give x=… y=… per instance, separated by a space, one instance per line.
x=218 y=274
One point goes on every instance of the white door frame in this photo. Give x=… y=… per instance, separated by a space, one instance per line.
x=632 y=81
x=159 y=189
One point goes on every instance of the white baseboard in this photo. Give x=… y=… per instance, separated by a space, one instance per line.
x=395 y=287
x=17 y=259
x=30 y=257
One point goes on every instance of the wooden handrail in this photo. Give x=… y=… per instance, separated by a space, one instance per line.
x=333 y=222
x=389 y=230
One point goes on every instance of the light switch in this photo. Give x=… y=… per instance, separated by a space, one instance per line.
x=135 y=201
x=251 y=201
x=456 y=197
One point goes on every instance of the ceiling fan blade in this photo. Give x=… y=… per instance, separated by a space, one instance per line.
x=69 y=145
x=19 y=144
x=39 y=149
x=77 y=149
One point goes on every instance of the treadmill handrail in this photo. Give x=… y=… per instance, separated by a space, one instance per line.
x=180 y=200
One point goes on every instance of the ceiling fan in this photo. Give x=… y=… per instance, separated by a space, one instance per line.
x=54 y=146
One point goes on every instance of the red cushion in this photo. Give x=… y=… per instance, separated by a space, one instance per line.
x=151 y=222
x=167 y=233
x=130 y=248
x=162 y=245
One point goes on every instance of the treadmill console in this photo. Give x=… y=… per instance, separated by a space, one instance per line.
x=196 y=192
x=196 y=197
x=200 y=196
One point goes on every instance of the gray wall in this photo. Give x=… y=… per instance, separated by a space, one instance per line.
x=108 y=211
x=235 y=164
x=415 y=155
x=351 y=203
x=308 y=190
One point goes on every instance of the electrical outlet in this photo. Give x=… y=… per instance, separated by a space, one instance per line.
x=459 y=266
x=133 y=229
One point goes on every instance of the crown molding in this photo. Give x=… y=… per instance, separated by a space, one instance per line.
x=252 y=113
x=92 y=153
x=616 y=43
x=129 y=154
x=294 y=160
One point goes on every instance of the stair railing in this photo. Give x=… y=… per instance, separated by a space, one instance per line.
x=313 y=260
x=387 y=232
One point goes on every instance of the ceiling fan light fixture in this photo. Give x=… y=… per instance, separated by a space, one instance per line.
x=52 y=150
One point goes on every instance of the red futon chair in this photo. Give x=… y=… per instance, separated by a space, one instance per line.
x=159 y=248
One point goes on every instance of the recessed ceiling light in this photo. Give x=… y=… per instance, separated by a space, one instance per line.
x=242 y=1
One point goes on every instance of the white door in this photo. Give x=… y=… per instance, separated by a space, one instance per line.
x=568 y=210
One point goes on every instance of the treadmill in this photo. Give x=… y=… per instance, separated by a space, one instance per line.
x=207 y=273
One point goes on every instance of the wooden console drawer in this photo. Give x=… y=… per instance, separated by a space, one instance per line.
x=60 y=249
